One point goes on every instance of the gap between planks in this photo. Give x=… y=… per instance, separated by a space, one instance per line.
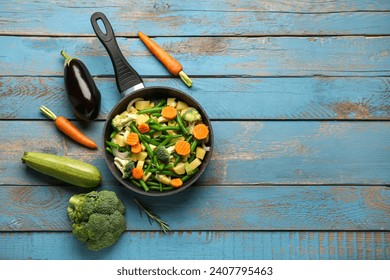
x=238 y=35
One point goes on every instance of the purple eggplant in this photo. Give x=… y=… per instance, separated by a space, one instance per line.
x=83 y=94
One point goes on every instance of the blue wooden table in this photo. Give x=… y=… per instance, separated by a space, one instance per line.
x=303 y=86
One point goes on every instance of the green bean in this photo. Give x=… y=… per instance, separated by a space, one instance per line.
x=181 y=124
x=155 y=161
x=134 y=129
x=150 y=110
x=113 y=145
x=167 y=172
x=161 y=167
x=143 y=185
x=151 y=121
x=193 y=146
x=135 y=183
x=149 y=140
x=171 y=143
x=191 y=158
x=162 y=128
x=189 y=138
x=108 y=149
x=151 y=184
x=124 y=149
x=171 y=135
x=148 y=149
x=168 y=166
x=152 y=178
x=177 y=158
x=113 y=134
x=157 y=115
x=147 y=170
x=161 y=189
x=167 y=139
x=161 y=103
x=188 y=176
x=170 y=127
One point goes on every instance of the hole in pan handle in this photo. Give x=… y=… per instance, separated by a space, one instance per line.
x=127 y=79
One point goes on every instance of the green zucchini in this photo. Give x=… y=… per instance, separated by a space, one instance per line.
x=69 y=170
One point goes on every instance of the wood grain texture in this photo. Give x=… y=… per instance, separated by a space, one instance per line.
x=319 y=98
x=304 y=83
x=210 y=245
x=43 y=208
x=206 y=56
x=270 y=152
x=183 y=18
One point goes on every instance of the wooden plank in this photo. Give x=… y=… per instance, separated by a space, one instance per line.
x=253 y=245
x=303 y=6
x=207 y=56
x=280 y=180
x=175 y=18
x=43 y=208
x=270 y=152
x=319 y=98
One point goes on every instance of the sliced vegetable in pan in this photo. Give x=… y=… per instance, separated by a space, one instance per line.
x=158 y=146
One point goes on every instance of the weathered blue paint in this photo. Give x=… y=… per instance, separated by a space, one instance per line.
x=175 y=18
x=202 y=245
x=43 y=208
x=323 y=98
x=280 y=74
x=269 y=152
x=233 y=56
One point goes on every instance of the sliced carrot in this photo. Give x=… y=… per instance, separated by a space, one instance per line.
x=137 y=173
x=200 y=131
x=176 y=183
x=68 y=128
x=143 y=128
x=169 y=112
x=132 y=139
x=182 y=147
x=137 y=148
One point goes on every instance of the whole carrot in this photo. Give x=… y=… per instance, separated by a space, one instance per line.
x=172 y=65
x=64 y=125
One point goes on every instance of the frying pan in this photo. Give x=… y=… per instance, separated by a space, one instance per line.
x=131 y=86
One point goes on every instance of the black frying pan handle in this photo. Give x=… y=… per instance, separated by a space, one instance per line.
x=126 y=77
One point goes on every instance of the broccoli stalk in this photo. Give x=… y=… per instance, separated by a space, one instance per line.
x=125 y=166
x=97 y=218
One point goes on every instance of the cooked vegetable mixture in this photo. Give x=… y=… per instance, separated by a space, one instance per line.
x=158 y=146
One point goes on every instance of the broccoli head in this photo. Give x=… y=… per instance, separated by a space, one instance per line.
x=122 y=120
x=97 y=218
x=162 y=154
x=192 y=115
x=125 y=166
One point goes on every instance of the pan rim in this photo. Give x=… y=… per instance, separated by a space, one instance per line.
x=107 y=155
